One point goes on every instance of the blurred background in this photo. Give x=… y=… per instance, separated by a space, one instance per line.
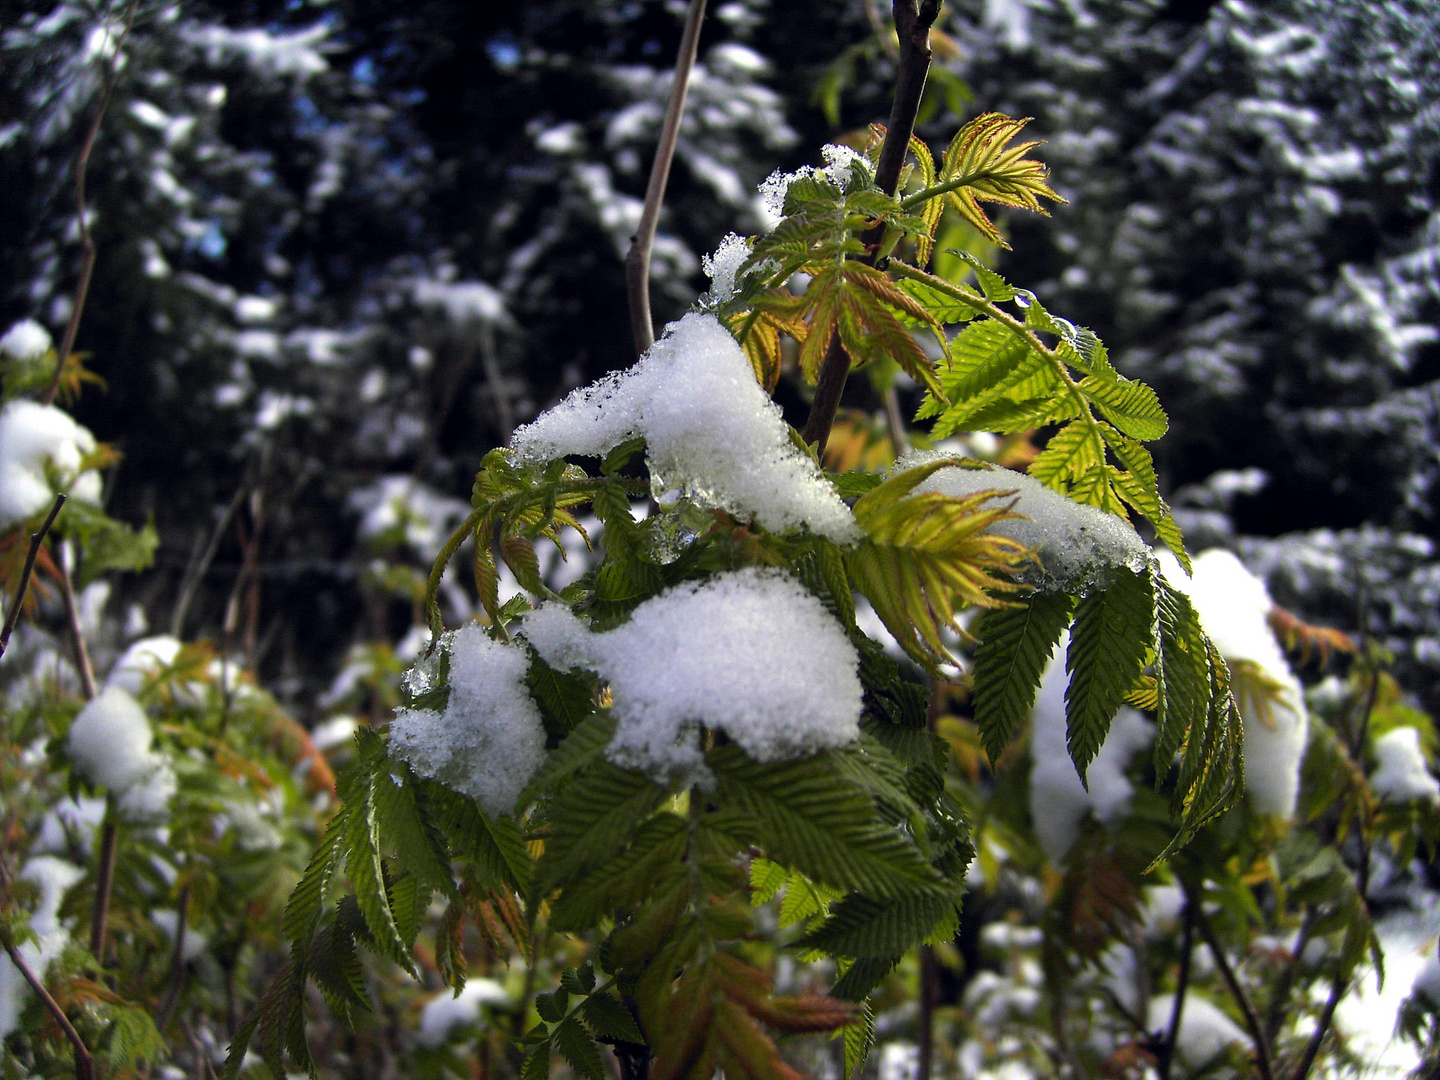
x=343 y=248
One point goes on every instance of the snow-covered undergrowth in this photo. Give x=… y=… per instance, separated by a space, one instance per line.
x=489 y=740
x=711 y=432
x=751 y=653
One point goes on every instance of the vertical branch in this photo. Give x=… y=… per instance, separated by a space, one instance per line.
x=1182 y=985
x=177 y=962
x=104 y=881
x=36 y=539
x=637 y=262
x=84 y=1063
x=1322 y=1027
x=77 y=632
x=87 y=243
x=1237 y=992
x=913 y=19
x=195 y=573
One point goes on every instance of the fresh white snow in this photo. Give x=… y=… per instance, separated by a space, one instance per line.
x=143 y=661
x=34 y=437
x=110 y=741
x=751 y=653
x=1401 y=774
x=490 y=740
x=1078 y=546
x=723 y=266
x=712 y=434
x=25 y=340
x=445 y=1013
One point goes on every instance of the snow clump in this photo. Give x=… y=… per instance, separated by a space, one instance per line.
x=1401 y=775
x=711 y=432
x=25 y=340
x=53 y=877
x=838 y=162
x=1058 y=800
x=489 y=741
x=1078 y=546
x=110 y=743
x=32 y=438
x=143 y=661
x=723 y=267
x=1233 y=606
x=751 y=653
x=400 y=507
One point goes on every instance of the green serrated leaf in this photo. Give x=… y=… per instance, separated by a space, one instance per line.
x=1131 y=406
x=1015 y=646
x=579 y=1048
x=1114 y=631
x=861 y=927
x=592 y=817
x=813 y=819
x=585 y=743
x=537 y=1063
x=610 y=1020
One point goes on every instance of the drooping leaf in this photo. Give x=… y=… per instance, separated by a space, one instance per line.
x=813 y=819
x=1015 y=646
x=1114 y=631
x=859 y=927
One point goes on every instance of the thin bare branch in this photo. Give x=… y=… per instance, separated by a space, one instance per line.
x=72 y=617
x=36 y=539
x=195 y=573
x=1322 y=1027
x=87 y=243
x=177 y=961
x=1166 y=1056
x=913 y=19
x=104 y=882
x=637 y=262
x=84 y=1063
x=1232 y=984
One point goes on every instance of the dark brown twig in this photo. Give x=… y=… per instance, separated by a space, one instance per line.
x=36 y=539
x=637 y=261
x=104 y=881
x=84 y=1063
x=77 y=634
x=1166 y=1056
x=197 y=571
x=1237 y=992
x=87 y=243
x=913 y=19
x=1322 y=1026
x=177 y=962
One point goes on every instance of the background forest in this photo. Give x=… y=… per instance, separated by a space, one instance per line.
x=345 y=248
